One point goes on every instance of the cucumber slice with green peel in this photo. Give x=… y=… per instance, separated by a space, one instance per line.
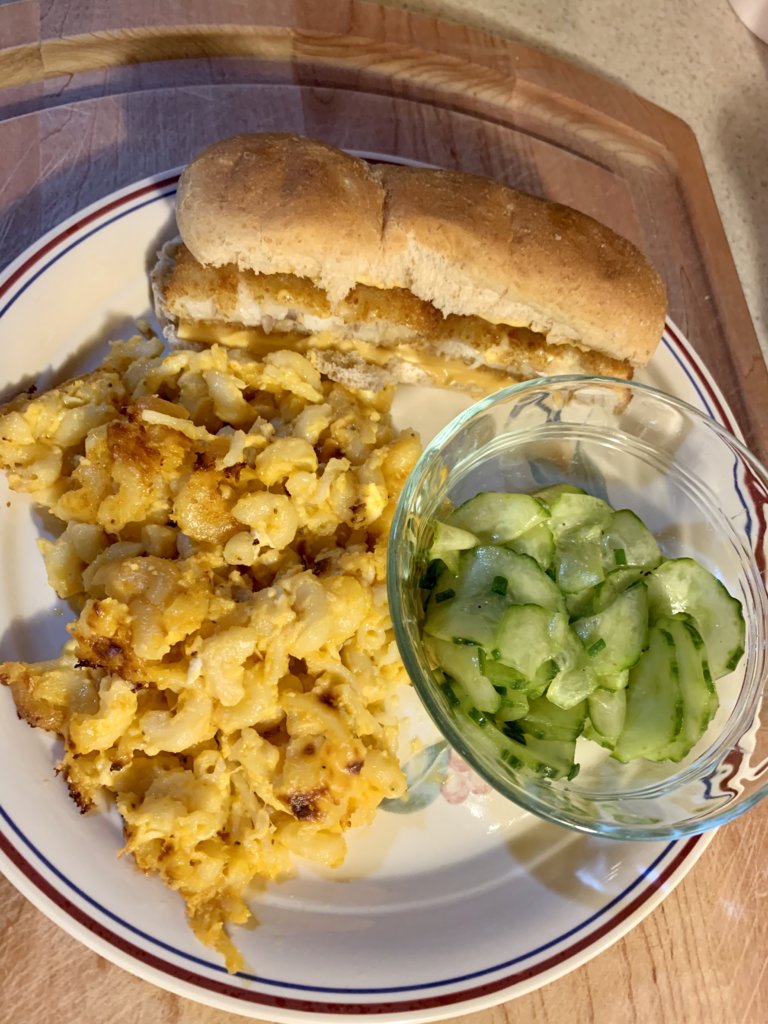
x=654 y=713
x=615 y=638
x=527 y=638
x=683 y=586
x=573 y=511
x=497 y=518
x=594 y=599
x=570 y=687
x=537 y=542
x=463 y=665
x=514 y=705
x=607 y=711
x=614 y=584
x=471 y=620
x=448 y=542
x=547 y=759
x=551 y=759
x=545 y=721
x=628 y=541
x=518 y=577
x=700 y=700
x=591 y=733
x=503 y=677
x=549 y=494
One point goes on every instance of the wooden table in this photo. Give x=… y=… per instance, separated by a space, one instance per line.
x=95 y=96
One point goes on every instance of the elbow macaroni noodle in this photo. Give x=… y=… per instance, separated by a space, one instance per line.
x=229 y=673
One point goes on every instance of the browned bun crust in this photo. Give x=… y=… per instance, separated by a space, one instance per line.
x=278 y=203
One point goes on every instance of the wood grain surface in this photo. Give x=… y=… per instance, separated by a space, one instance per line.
x=96 y=95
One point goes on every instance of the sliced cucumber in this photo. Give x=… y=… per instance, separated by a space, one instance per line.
x=448 y=542
x=700 y=701
x=547 y=759
x=617 y=681
x=505 y=678
x=607 y=711
x=581 y=603
x=683 y=586
x=526 y=637
x=537 y=542
x=595 y=599
x=473 y=620
x=654 y=704
x=549 y=494
x=628 y=541
x=570 y=687
x=614 y=584
x=462 y=664
x=615 y=638
x=545 y=721
x=579 y=559
x=525 y=582
x=498 y=518
x=576 y=626
x=514 y=705
x=574 y=511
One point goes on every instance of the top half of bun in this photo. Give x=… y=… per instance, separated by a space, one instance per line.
x=280 y=203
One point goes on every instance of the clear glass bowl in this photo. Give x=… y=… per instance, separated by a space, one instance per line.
x=702 y=494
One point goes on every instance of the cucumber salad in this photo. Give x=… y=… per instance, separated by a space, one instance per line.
x=551 y=616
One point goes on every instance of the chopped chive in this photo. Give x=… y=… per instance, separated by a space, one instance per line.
x=463 y=642
x=575 y=769
x=429 y=579
x=444 y=595
x=619 y=556
x=500 y=585
x=596 y=647
x=478 y=717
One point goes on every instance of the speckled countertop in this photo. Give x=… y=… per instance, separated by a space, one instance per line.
x=695 y=59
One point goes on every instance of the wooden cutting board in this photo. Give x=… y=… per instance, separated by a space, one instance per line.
x=93 y=102
x=106 y=93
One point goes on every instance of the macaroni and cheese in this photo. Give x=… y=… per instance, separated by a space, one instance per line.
x=228 y=676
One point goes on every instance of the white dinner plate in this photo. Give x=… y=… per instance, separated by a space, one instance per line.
x=451 y=901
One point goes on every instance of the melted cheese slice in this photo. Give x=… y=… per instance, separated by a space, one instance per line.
x=444 y=371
